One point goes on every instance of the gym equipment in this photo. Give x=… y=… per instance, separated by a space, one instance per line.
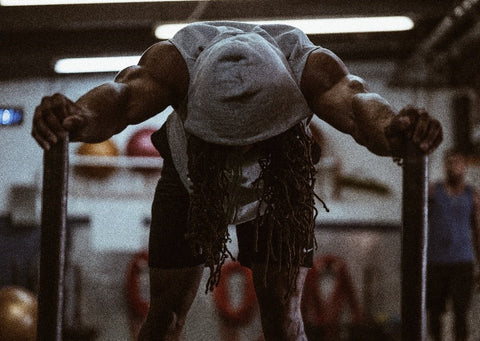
x=235 y=316
x=414 y=219
x=137 y=304
x=325 y=313
x=18 y=314
x=139 y=144
x=243 y=314
x=414 y=244
x=103 y=149
x=52 y=242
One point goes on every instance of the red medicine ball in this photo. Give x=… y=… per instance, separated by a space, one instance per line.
x=140 y=144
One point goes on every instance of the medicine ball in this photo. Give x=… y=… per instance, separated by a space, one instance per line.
x=18 y=314
x=107 y=149
x=139 y=144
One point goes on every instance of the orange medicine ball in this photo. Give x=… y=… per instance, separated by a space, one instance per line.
x=107 y=149
x=18 y=314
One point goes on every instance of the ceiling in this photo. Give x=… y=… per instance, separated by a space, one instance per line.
x=31 y=38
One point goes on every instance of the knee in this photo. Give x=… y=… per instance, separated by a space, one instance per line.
x=161 y=325
x=281 y=317
x=277 y=300
x=280 y=305
x=283 y=326
x=169 y=319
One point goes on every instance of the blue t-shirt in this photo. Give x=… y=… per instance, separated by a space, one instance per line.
x=450 y=233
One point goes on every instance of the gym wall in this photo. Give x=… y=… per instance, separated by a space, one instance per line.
x=116 y=224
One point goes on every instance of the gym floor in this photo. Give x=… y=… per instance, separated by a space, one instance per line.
x=474 y=321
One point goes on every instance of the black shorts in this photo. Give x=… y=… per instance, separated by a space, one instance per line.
x=168 y=247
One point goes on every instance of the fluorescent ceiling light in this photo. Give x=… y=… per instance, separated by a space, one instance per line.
x=96 y=64
x=72 y=2
x=309 y=26
x=319 y=26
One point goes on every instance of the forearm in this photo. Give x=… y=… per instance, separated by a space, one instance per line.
x=372 y=115
x=351 y=109
x=106 y=107
x=133 y=97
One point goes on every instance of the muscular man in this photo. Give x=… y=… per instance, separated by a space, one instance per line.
x=237 y=151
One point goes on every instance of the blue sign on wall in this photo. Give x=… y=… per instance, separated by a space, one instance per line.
x=10 y=116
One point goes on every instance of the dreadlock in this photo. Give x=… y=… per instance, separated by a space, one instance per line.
x=208 y=222
x=286 y=190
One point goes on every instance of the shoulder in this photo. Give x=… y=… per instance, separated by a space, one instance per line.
x=433 y=189
x=160 y=61
x=322 y=71
x=163 y=52
x=475 y=200
x=164 y=63
x=475 y=194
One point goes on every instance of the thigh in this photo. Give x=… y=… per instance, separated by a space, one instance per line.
x=437 y=287
x=280 y=305
x=168 y=246
x=272 y=286
x=173 y=290
x=254 y=242
x=462 y=285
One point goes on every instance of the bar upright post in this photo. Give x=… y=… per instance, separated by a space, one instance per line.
x=414 y=244
x=52 y=242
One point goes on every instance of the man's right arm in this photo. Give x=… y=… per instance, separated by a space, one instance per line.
x=138 y=92
x=344 y=101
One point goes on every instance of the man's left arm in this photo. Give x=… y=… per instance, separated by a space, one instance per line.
x=344 y=101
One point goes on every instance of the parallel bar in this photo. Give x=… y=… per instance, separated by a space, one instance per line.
x=414 y=244
x=52 y=242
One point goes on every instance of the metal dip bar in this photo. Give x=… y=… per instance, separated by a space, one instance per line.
x=414 y=244
x=52 y=242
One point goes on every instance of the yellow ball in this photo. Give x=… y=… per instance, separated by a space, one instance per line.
x=105 y=148
x=18 y=314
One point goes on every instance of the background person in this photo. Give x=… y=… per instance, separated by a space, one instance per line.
x=454 y=226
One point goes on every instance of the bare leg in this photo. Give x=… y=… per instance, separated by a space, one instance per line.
x=281 y=317
x=172 y=292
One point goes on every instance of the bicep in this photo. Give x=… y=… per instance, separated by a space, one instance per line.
x=329 y=88
x=322 y=71
x=336 y=105
x=160 y=79
x=143 y=96
x=343 y=101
